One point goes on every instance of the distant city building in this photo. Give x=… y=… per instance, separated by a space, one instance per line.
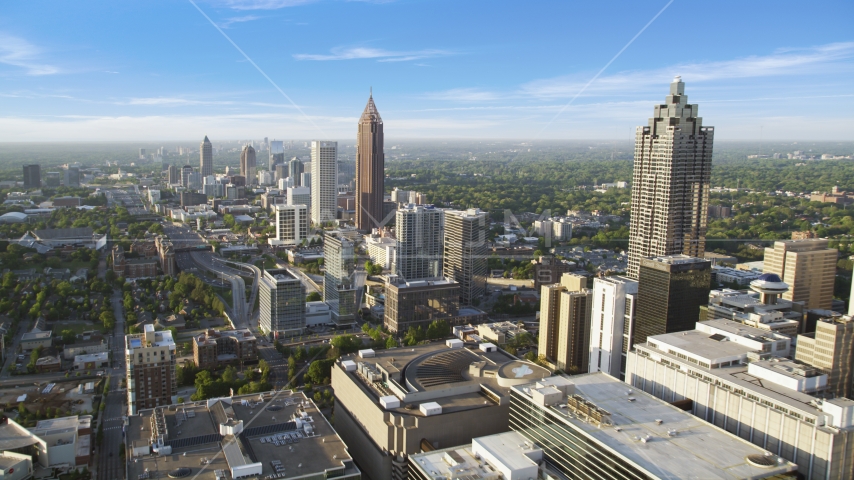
x=670 y=184
x=282 y=172
x=465 y=252
x=831 y=349
x=277 y=154
x=370 y=169
x=174 y=175
x=206 y=157
x=282 y=303
x=186 y=171
x=305 y=179
x=804 y=235
x=719 y=211
x=191 y=199
x=32 y=176
x=247 y=164
x=295 y=170
x=405 y=197
x=266 y=178
x=324 y=172
x=548 y=270
x=382 y=250
x=808 y=266
x=291 y=225
x=339 y=289
x=132 y=267
x=71 y=177
x=151 y=379
x=612 y=317
x=299 y=196
x=564 y=338
x=420 y=231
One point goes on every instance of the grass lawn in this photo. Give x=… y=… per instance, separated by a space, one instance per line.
x=76 y=327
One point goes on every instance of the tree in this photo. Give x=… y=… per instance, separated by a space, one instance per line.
x=346 y=343
x=438 y=329
x=391 y=342
x=313 y=297
x=319 y=370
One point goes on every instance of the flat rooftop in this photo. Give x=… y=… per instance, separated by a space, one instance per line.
x=269 y=434
x=509 y=447
x=701 y=344
x=679 y=445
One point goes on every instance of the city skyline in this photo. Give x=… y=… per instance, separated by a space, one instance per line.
x=65 y=81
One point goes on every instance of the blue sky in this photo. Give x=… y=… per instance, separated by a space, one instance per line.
x=159 y=70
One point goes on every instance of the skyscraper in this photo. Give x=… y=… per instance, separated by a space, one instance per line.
x=32 y=176
x=186 y=171
x=465 y=252
x=151 y=377
x=370 y=169
x=206 y=157
x=670 y=183
x=281 y=299
x=324 y=174
x=419 y=230
x=295 y=169
x=339 y=291
x=565 y=323
x=291 y=224
x=612 y=314
x=175 y=175
x=808 y=266
x=71 y=177
x=831 y=349
x=247 y=164
x=277 y=154
x=671 y=290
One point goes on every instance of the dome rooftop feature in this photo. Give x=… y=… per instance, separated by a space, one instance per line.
x=770 y=277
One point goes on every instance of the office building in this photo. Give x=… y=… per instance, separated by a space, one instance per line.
x=282 y=172
x=808 y=266
x=291 y=225
x=151 y=380
x=212 y=187
x=247 y=164
x=465 y=252
x=420 y=231
x=565 y=310
x=382 y=250
x=186 y=171
x=390 y=404
x=234 y=192
x=831 y=350
x=324 y=173
x=370 y=169
x=130 y=268
x=670 y=183
x=671 y=290
x=206 y=157
x=266 y=178
x=295 y=170
x=548 y=270
x=277 y=154
x=612 y=316
x=189 y=199
x=71 y=177
x=218 y=347
x=417 y=303
x=737 y=378
x=51 y=443
x=32 y=176
x=339 y=284
x=592 y=427
x=258 y=436
x=755 y=309
x=299 y=196
x=305 y=179
x=174 y=175
x=282 y=304
x=285 y=183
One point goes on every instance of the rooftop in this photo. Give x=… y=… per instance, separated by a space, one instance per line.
x=283 y=427
x=657 y=437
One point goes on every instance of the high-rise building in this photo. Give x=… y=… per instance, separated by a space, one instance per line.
x=611 y=318
x=71 y=177
x=151 y=379
x=831 y=349
x=281 y=298
x=32 y=176
x=324 y=172
x=465 y=252
x=299 y=196
x=738 y=378
x=592 y=427
x=671 y=290
x=141 y=154
x=565 y=323
x=419 y=230
x=247 y=164
x=291 y=224
x=175 y=175
x=295 y=169
x=305 y=179
x=282 y=171
x=370 y=169
x=277 y=154
x=808 y=266
x=186 y=171
x=670 y=183
x=206 y=157
x=339 y=289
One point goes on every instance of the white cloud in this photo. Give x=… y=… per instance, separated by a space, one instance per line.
x=463 y=95
x=247 y=18
x=358 y=53
x=264 y=4
x=18 y=52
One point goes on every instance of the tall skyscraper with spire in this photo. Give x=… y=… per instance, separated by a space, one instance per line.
x=670 y=184
x=206 y=157
x=370 y=169
x=247 y=165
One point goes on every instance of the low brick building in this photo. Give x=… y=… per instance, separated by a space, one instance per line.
x=212 y=348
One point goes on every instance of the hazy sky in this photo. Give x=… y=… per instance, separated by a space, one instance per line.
x=160 y=70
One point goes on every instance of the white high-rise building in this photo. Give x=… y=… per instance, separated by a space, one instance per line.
x=291 y=225
x=324 y=180
x=420 y=231
x=611 y=320
x=266 y=178
x=299 y=196
x=670 y=183
x=285 y=183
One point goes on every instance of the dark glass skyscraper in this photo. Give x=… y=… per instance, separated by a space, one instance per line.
x=670 y=183
x=247 y=165
x=671 y=290
x=206 y=157
x=370 y=169
x=295 y=168
x=32 y=176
